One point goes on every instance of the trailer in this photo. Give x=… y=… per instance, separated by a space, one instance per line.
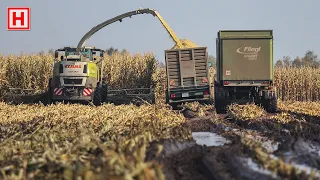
x=187 y=76
x=244 y=69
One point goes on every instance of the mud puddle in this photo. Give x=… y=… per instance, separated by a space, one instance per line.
x=209 y=156
x=258 y=168
x=209 y=139
x=267 y=143
x=304 y=154
x=218 y=151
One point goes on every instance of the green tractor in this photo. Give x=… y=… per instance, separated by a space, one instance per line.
x=77 y=77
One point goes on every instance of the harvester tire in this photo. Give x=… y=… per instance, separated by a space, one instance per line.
x=50 y=92
x=100 y=95
x=271 y=105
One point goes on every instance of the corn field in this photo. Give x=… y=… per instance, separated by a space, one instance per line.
x=129 y=71
x=73 y=141
x=298 y=84
x=34 y=71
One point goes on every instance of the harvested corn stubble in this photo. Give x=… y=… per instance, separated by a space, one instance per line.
x=76 y=140
x=245 y=112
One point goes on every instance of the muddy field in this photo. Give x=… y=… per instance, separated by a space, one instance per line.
x=154 y=142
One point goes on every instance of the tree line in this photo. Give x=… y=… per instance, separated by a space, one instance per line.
x=310 y=59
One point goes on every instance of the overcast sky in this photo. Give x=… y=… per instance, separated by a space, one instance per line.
x=58 y=23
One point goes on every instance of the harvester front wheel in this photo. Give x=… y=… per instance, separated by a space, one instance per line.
x=50 y=92
x=100 y=95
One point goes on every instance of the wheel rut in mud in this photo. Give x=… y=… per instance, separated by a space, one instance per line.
x=292 y=146
x=187 y=160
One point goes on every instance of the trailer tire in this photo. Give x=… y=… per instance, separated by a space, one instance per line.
x=221 y=107
x=271 y=105
x=220 y=100
x=100 y=95
x=209 y=102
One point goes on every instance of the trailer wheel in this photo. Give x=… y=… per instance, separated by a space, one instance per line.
x=220 y=100
x=100 y=95
x=271 y=105
x=209 y=102
x=219 y=107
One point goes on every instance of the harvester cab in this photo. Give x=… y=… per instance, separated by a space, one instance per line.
x=85 y=54
x=75 y=74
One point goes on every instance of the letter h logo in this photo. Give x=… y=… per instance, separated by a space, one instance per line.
x=19 y=19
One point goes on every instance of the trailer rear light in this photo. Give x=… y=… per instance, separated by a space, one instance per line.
x=172 y=95
x=268 y=87
x=205 y=93
x=226 y=82
x=266 y=82
x=172 y=83
x=204 y=80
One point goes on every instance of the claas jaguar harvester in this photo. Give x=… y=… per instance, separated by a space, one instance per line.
x=76 y=76
x=244 y=69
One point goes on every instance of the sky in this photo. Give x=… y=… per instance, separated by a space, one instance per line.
x=56 y=24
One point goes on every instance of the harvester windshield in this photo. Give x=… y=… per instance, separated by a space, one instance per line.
x=71 y=54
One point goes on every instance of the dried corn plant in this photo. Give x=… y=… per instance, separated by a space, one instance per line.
x=245 y=112
x=33 y=71
x=123 y=70
x=25 y=71
x=72 y=141
x=303 y=108
x=159 y=78
x=3 y=81
x=298 y=84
